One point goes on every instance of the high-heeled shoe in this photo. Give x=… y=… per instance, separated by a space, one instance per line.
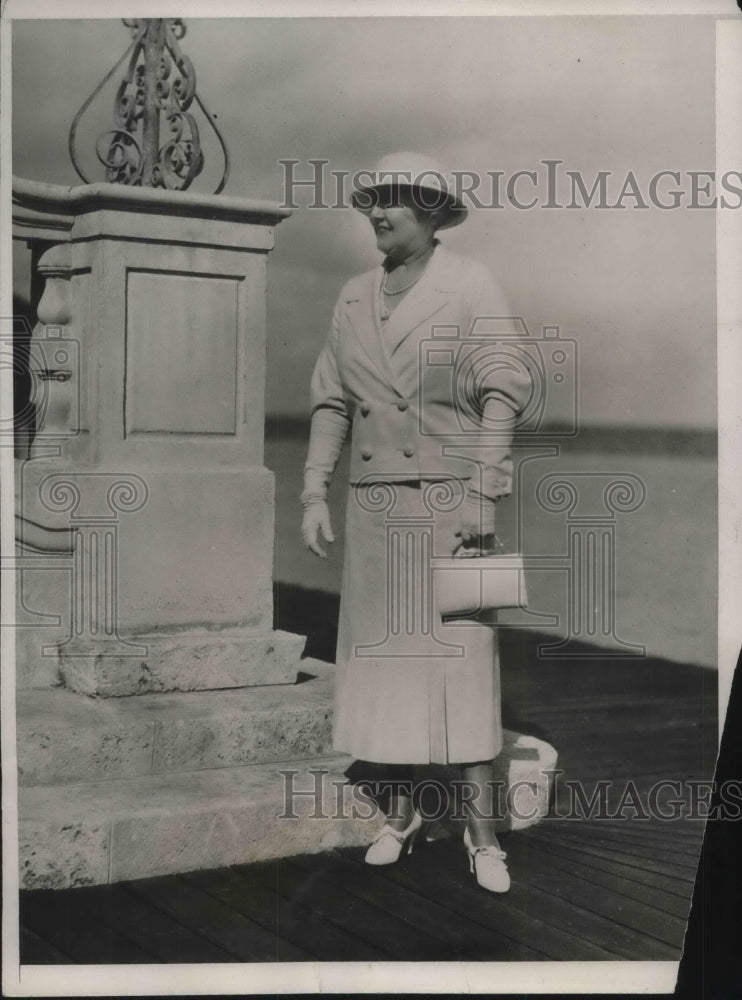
x=389 y=844
x=488 y=864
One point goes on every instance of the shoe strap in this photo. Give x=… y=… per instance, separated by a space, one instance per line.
x=386 y=830
x=490 y=851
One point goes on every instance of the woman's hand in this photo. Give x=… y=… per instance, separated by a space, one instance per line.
x=477 y=532
x=472 y=545
x=316 y=519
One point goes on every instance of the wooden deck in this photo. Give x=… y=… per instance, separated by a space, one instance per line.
x=582 y=890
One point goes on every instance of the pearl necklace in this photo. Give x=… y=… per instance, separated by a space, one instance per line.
x=398 y=291
x=386 y=313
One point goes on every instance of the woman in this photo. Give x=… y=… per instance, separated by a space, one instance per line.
x=425 y=474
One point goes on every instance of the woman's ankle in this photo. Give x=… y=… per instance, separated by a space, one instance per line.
x=482 y=834
x=401 y=812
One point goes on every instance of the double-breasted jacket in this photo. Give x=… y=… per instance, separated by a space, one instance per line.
x=413 y=388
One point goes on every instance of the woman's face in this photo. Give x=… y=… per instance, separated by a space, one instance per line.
x=401 y=227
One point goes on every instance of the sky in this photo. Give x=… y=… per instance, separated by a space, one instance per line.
x=634 y=288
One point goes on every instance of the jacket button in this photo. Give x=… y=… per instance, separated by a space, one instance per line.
x=365 y=410
x=409 y=452
x=403 y=405
x=366 y=454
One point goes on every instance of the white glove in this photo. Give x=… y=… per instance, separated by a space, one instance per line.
x=477 y=531
x=316 y=519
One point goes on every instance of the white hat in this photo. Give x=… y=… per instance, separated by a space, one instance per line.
x=420 y=173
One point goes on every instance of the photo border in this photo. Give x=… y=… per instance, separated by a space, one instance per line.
x=412 y=977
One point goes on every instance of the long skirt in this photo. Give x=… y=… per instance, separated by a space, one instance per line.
x=410 y=687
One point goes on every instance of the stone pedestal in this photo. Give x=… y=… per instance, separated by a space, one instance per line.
x=145 y=484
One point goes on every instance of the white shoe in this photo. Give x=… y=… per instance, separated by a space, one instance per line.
x=388 y=846
x=488 y=864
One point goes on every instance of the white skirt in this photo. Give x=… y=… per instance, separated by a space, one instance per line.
x=409 y=688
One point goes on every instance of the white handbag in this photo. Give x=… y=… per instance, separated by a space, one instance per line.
x=467 y=586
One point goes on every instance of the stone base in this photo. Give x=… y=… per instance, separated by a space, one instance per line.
x=65 y=739
x=108 y=831
x=152 y=785
x=181 y=661
x=100 y=832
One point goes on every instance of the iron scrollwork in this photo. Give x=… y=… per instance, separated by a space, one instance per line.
x=158 y=89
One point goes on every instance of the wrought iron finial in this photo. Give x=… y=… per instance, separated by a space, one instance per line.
x=158 y=88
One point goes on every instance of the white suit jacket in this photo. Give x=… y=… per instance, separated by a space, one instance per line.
x=415 y=387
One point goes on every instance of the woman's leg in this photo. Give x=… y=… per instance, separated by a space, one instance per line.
x=481 y=802
x=396 y=782
x=400 y=782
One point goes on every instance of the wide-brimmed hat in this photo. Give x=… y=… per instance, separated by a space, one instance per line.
x=417 y=172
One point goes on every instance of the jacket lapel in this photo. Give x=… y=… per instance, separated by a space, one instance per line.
x=422 y=301
x=363 y=313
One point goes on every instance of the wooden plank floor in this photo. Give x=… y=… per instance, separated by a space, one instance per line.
x=584 y=889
